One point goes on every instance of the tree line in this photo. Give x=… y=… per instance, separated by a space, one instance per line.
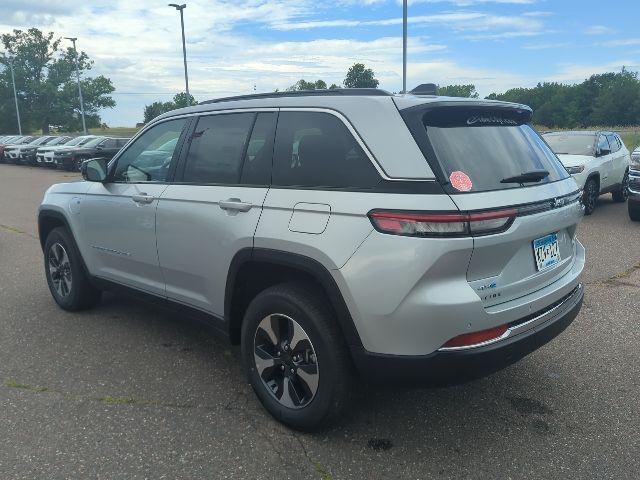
x=46 y=84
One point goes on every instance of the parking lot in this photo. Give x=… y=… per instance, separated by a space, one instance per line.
x=131 y=391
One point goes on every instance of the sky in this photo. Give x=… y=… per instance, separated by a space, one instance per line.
x=234 y=47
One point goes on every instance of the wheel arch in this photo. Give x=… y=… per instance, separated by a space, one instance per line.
x=255 y=269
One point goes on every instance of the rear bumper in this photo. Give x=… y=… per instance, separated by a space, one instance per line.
x=451 y=367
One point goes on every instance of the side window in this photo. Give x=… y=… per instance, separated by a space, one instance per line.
x=108 y=143
x=217 y=148
x=603 y=144
x=614 y=143
x=148 y=159
x=315 y=149
x=256 y=167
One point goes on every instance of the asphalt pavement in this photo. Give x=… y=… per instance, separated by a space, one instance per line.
x=129 y=391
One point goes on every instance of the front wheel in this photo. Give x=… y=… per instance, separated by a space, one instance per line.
x=590 y=196
x=296 y=359
x=622 y=194
x=66 y=277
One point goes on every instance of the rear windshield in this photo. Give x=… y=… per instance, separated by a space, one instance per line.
x=571 y=144
x=487 y=148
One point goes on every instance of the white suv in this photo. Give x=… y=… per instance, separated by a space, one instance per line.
x=332 y=234
x=598 y=161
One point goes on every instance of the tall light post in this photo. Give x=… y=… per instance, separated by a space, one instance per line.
x=15 y=93
x=404 y=46
x=184 y=48
x=84 y=125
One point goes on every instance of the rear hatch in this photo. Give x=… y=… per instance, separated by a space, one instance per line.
x=488 y=159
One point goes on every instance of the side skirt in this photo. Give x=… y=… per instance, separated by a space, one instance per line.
x=218 y=324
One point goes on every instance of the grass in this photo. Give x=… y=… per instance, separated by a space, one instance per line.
x=117 y=400
x=114 y=131
x=11 y=383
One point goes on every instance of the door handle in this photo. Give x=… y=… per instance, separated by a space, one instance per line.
x=235 y=204
x=142 y=198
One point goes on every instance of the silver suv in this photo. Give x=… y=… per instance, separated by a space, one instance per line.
x=333 y=234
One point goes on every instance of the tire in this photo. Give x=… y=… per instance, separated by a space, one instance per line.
x=320 y=357
x=590 y=196
x=67 y=279
x=634 y=211
x=622 y=194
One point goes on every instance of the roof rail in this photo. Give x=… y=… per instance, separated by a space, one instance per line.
x=306 y=93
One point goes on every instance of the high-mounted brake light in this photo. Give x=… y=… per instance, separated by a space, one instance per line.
x=442 y=224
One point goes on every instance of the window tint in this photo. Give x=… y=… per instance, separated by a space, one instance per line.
x=108 y=143
x=315 y=149
x=489 y=146
x=603 y=144
x=613 y=143
x=217 y=148
x=143 y=161
x=256 y=169
x=570 y=143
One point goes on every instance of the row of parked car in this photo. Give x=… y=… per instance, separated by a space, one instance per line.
x=57 y=151
x=600 y=163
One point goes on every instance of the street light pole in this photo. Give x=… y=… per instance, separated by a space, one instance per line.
x=184 y=47
x=15 y=95
x=404 y=46
x=84 y=125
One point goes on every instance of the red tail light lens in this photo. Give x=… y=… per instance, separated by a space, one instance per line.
x=475 y=338
x=441 y=224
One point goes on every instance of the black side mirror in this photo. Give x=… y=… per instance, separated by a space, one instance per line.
x=94 y=170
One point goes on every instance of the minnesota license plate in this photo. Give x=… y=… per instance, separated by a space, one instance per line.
x=546 y=251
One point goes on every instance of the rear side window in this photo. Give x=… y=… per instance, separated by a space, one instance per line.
x=315 y=149
x=217 y=147
x=486 y=147
x=613 y=143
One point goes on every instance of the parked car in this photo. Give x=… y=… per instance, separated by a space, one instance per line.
x=597 y=160
x=45 y=155
x=5 y=150
x=4 y=141
x=409 y=237
x=22 y=153
x=27 y=153
x=634 y=186
x=98 y=147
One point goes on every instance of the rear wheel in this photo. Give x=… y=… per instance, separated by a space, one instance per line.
x=66 y=277
x=622 y=194
x=634 y=211
x=295 y=356
x=590 y=196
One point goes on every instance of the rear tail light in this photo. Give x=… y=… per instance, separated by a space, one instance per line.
x=476 y=339
x=442 y=224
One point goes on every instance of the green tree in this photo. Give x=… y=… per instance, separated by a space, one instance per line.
x=46 y=83
x=302 y=84
x=358 y=76
x=180 y=100
x=468 y=91
x=183 y=99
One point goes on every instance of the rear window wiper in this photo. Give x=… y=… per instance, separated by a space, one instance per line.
x=532 y=176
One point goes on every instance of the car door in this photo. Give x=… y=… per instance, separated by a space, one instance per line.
x=211 y=210
x=618 y=159
x=604 y=161
x=119 y=216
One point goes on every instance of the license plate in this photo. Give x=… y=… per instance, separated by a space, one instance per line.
x=546 y=251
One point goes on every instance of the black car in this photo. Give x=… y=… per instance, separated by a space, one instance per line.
x=99 y=147
x=634 y=186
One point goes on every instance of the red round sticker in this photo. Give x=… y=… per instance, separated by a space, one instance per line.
x=460 y=181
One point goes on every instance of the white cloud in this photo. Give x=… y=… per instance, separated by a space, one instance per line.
x=598 y=30
x=624 y=42
x=545 y=46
